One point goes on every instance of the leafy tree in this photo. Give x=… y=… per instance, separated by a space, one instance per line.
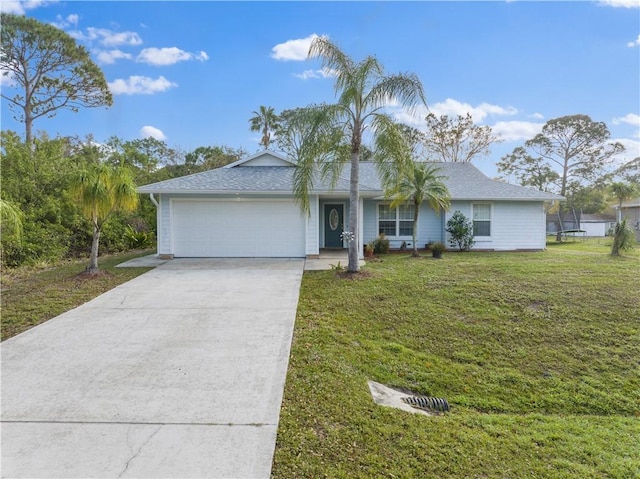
x=414 y=184
x=100 y=192
x=622 y=192
x=575 y=147
x=457 y=139
x=50 y=69
x=624 y=238
x=630 y=171
x=363 y=90
x=266 y=121
x=33 y=179
x=209 y=157
x=461 y=230
x=587 y=199
x=528 y=170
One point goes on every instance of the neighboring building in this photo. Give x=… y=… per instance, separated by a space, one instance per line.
x=597 y=224
x=247 y=209
x=631 y=211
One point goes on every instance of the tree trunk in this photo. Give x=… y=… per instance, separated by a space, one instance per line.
x=416 y=211
x=93 y=259
x=354 y=199
x=619 y=212
x=560 y=224
x=28 y=122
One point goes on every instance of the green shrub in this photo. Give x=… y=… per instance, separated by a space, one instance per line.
x=461 y=230
x=138 y=239
x=624 y=239
x=381 y=244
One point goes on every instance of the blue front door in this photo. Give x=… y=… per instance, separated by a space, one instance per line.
x=333 y=225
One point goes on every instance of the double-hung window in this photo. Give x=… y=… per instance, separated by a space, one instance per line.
x=481 y=219
x=395 y=221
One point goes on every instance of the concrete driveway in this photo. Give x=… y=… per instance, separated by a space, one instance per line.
x=177 y=373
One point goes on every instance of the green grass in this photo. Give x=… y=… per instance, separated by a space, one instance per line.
x=31 y=296
x=537 y=353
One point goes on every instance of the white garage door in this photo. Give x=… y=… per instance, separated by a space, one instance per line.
x=235 y=229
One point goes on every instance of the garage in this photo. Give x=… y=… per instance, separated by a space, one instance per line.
x=237 y=228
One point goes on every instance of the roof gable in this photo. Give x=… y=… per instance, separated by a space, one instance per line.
x=262 y=158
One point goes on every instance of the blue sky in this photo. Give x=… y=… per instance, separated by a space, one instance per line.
x=191 y=73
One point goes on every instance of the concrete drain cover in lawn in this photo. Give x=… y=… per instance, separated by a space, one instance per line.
x=386 y=396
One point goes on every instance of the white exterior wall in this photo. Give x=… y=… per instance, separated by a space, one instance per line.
x=164 y=225
x=313 y=227
x=514 y=224
x=594 y=229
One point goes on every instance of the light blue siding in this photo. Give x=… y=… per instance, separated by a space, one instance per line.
x=514 y=225
x=430 y=225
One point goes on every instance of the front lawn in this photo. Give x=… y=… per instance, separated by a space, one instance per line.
x=537 y=353
x=31 y=296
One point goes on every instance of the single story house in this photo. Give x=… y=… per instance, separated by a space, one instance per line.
x=247 y=209
x=575 y=222
x=631 y=211
x=597 y=224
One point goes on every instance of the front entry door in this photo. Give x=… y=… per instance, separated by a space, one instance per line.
x=333 y=225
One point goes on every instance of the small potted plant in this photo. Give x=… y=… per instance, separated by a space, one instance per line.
x=368 y=250
x=437 y=248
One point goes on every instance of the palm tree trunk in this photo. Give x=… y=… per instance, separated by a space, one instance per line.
x=416 y=212
x=93 y=259
x=354 y=200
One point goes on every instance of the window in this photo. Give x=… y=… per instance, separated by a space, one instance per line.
x=395 y=221
x=481 y=220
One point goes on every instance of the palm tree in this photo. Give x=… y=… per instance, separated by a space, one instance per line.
x=363 y=91
x=264 y=120
x=414 y=184
x=101 y=191
x=10 y=219
x=622 y=191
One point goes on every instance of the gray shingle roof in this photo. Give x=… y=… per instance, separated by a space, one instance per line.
x=465 y=182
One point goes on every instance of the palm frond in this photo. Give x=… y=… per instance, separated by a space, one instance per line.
x=333 y=59
x=406 y=89
x=10 y=218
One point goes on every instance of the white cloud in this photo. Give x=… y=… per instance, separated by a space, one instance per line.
x=152 y=132
x=109 y=57
x=621 y=3
x=634 y=43
x=517 y=130
x=66 y=22
x=452 y=107
x=296 y=50
x=18 y=7
x=537 y=116
x=107 y=37
x=139 y=85
x=632 y=150
x=629 y=119
x=322 y=73
x=6 y=78
x=168 y=56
